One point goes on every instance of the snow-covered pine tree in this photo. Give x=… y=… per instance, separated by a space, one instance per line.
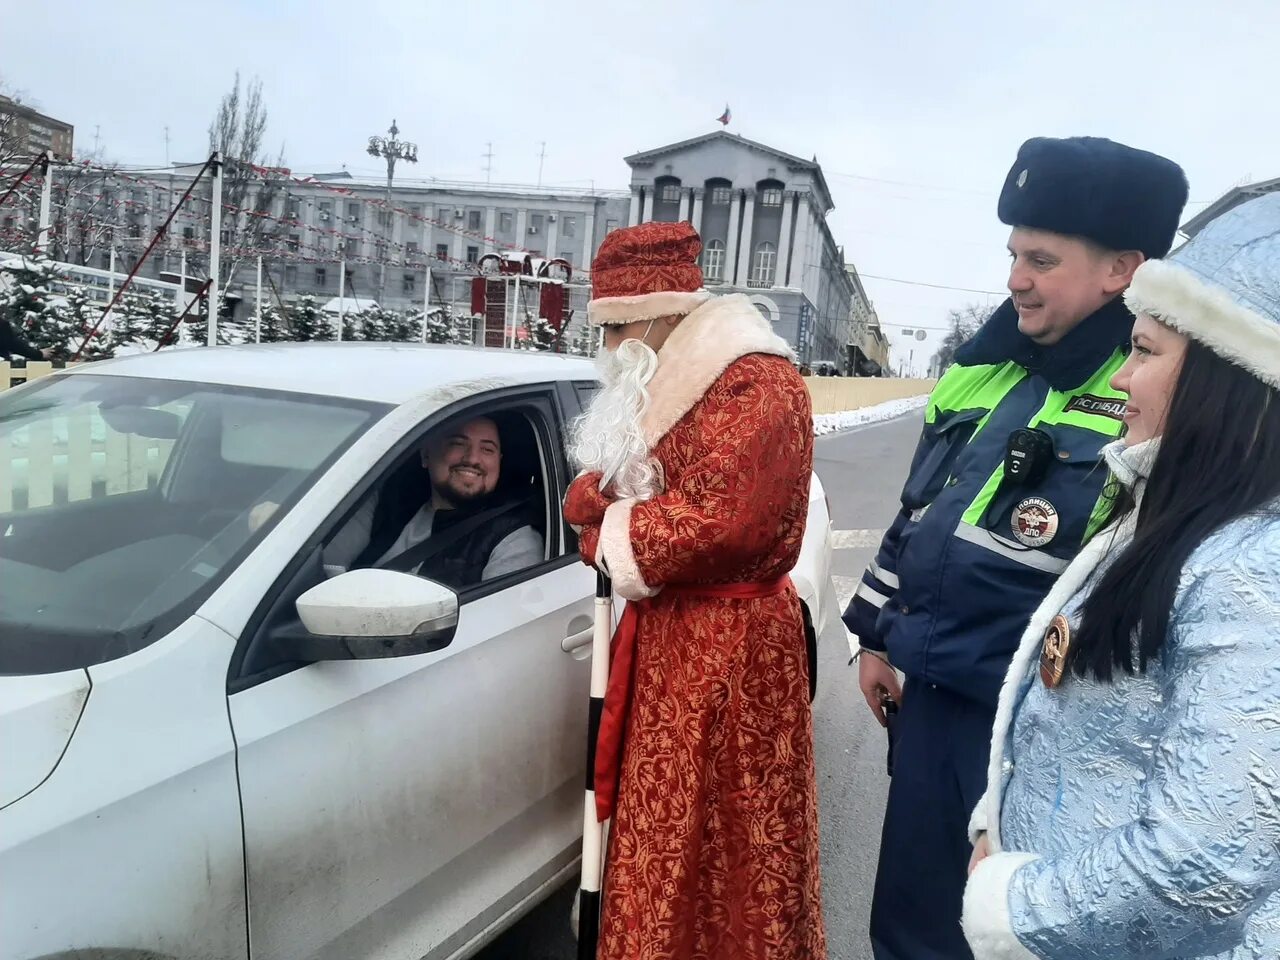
x=28 y=301
x=440 y=327
x=307 y=321
x=542 y=335
x=84 y=314
x=402 y=327
x=273 y=329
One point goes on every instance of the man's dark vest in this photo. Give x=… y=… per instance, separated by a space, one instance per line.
x=462 y=563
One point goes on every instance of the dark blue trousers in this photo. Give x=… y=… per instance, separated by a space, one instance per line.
x=941 y=747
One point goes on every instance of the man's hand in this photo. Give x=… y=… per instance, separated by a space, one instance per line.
x=981 y=850
x=878 y=680
x=46 y=352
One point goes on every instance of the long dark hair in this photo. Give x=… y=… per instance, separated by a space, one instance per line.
x=1219 y=459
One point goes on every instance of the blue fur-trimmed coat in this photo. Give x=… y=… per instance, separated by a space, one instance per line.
x=1141 y=818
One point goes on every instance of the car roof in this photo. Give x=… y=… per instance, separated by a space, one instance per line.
x=379 y=372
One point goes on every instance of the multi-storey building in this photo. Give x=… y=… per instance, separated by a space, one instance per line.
x=762 y=216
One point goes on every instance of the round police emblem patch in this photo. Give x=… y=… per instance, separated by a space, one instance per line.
x=1035 y=522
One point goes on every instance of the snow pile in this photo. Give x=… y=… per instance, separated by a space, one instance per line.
x=824 y=423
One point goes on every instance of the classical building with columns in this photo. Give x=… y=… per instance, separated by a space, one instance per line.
x=762 y=215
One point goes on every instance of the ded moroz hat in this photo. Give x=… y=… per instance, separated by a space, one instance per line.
x=645 y=272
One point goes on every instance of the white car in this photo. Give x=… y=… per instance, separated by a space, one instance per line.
x=218 y=743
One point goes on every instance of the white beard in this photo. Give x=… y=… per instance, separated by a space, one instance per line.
x=609 y=437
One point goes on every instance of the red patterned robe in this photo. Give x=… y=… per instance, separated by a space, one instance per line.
x=713 y=850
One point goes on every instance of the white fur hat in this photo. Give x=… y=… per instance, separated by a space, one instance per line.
x=1223 y=287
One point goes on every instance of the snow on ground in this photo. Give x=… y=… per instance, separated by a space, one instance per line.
x=824 y=423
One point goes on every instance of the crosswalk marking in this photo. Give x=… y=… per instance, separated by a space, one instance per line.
x=855 y=539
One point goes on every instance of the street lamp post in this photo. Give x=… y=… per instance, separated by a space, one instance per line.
x=390 y=149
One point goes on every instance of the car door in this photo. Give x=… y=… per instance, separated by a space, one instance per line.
x=397 y=808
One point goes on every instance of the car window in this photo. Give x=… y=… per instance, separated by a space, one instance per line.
x=457 y=509
x=127 y=500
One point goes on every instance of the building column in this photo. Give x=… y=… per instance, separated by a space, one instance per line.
x=634 y=216
x=588 y=241
x=522 y=222
x=742 y=272
x=784 y=239
x=460 y=241
x=698 y=194
x=490 y=228
x=684 y=206
x=731 y=242
x=646 y=207
x=553 y=232
x=804 y=218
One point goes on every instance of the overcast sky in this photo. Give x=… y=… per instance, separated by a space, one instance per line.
x=915 y=110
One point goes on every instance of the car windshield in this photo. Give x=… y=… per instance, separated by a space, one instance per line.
x=124 y=502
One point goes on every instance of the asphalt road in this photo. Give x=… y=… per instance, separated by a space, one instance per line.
x=862 y=471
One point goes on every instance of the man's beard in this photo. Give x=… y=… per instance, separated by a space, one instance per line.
x=609 y=436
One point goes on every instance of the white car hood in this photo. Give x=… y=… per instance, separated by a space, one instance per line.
x=38 y=715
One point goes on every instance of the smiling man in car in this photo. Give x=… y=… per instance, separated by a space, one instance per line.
x=486 y=538
x=1004 y=489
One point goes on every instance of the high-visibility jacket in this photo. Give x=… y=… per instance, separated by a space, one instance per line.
x=972 y=553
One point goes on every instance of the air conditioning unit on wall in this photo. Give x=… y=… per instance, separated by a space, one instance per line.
x=551 y=218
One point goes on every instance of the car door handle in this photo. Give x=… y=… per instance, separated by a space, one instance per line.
x=579 y=636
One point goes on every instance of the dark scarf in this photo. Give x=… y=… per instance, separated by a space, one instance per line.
x=1066 y=365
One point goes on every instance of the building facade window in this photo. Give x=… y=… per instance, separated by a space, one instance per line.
x=670 y=193
x=293 y=243
x=610 y=226
x=412 y=248
x=349 y=246
x=713 y=261
x=473 y=220
x=721 y=196
x=763 y=265
x=771 y=197
x=384 y=218
x=290 y=276
x=326 y=210
x=473 y=254
x=408 y=283
x=535 y=224
x=353 y=212
x=442 y=251
x=569 y=227
x=504 y=222
x=322 y=277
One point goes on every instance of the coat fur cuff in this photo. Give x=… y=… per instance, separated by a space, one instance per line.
x=978 y=820
x=986 y=921
x=617 y=556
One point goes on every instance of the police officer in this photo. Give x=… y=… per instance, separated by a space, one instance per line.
x=1004 y=488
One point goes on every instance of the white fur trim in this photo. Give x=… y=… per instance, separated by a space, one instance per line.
x=617 y=555
x=698 y=351
x=612 y=311
x=1183 y=300
x=1027 y=655
x=985 y=918
x=978 y=820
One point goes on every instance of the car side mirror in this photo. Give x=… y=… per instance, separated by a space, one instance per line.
x=368 y=614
